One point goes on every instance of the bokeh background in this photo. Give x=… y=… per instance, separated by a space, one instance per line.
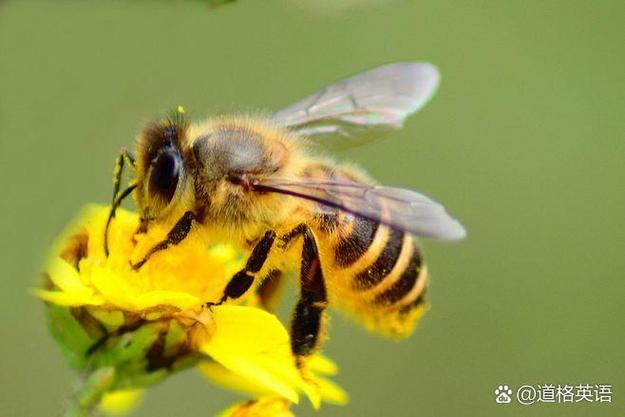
x=525 y=142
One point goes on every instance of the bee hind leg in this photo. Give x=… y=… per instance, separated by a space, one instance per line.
x=243 y=280
x=307 y=323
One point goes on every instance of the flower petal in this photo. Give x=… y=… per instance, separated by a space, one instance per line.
x=254 y=344
x=71 y=299
x=331 y=392
x=249 y=330
x=65 y=276
x=259 y=373
x=322 y=364
x=113 y=288
x=224 y=377
x=121 y=401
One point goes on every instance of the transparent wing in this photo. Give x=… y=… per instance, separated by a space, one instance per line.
x=361 y=108
x=395 y=207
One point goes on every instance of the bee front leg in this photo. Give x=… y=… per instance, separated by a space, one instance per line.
x=117 y=201
x=307 y=322
x=124 y=157
x=176 y=235
x=243 y=280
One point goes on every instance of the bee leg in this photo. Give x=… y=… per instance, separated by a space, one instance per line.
x=243 y=280
x=124 y=156
x=114 y=206
x=307 y=320
x=176 y=235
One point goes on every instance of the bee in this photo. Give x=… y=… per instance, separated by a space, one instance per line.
x=259 y=184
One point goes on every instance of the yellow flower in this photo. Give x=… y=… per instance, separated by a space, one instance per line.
x=147 y=324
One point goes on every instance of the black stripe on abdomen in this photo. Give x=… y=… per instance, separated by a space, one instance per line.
x=404 y=284
x=354 y=245
x=383 y=264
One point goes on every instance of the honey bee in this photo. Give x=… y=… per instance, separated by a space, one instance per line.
x=258 y=184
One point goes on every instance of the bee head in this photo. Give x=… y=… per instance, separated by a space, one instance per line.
x=161 y=172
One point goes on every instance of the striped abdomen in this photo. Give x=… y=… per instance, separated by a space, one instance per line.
x=372 y=270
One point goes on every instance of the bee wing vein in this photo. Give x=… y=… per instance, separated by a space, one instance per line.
x=364 y=106
x=395 y=207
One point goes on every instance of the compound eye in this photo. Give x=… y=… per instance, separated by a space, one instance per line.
x=165 y=175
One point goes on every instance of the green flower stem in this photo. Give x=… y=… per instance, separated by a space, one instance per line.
x=90 y=393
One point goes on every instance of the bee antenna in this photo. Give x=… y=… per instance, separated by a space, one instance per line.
x=176 y=123
x=179 y=116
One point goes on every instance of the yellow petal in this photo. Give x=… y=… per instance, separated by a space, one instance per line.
x=218 y=374
x=331 y=392
x=309 y=384
x=71 y=299
x=257 y=372
x=113 y=288
x=121 y=401
x=65 y=276
x=222 y=376
x=180 y=278
x=254 y=344
x=250 y=330
x=322 y=364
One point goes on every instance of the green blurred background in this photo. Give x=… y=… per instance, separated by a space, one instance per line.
x=525 y=142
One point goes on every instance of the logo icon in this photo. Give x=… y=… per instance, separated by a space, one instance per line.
x=502 y=394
